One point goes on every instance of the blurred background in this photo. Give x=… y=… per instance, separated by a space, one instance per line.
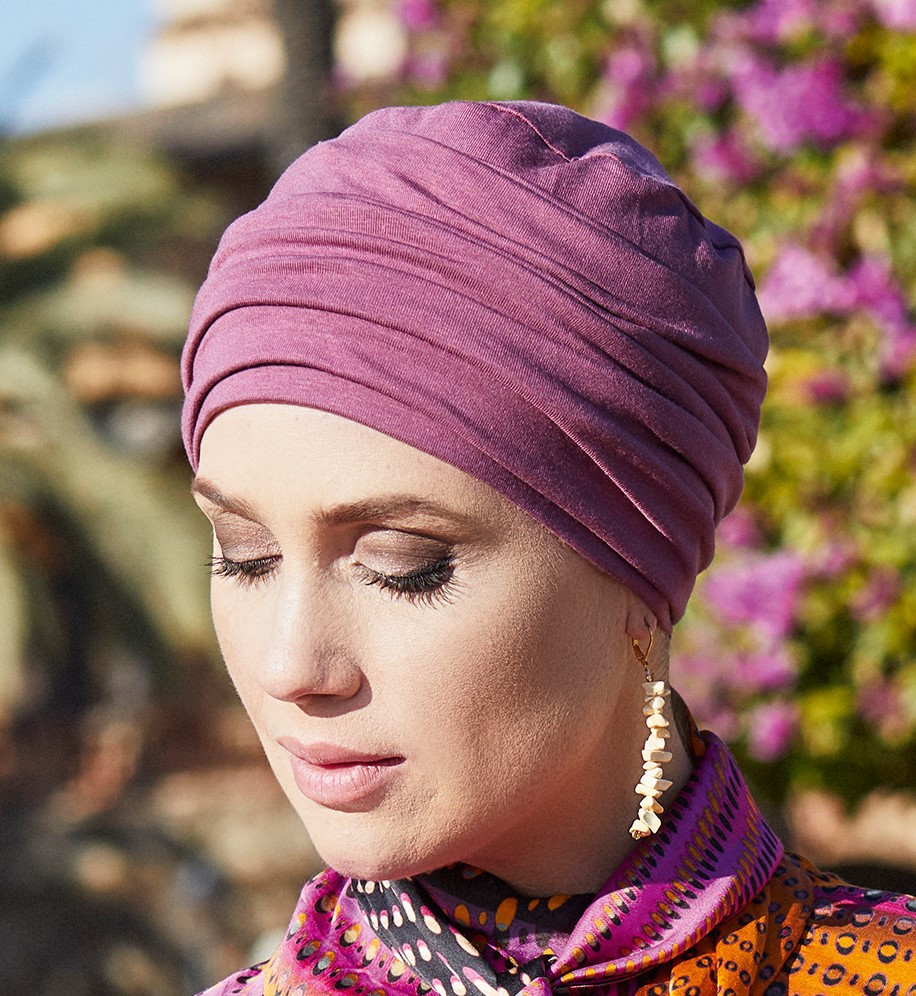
x=143 y=846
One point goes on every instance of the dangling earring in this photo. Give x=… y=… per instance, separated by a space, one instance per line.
x=655 y=752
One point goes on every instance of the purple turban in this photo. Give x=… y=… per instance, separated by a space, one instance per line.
x=519 y=291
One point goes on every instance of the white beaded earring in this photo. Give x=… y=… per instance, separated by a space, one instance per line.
x=655 y=752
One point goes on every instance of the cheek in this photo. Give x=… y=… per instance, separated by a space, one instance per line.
x=503 y=670
x=233 y=628
x=239 y=621
x=566 y=632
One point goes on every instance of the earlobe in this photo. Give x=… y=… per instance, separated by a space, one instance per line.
x=641 y=621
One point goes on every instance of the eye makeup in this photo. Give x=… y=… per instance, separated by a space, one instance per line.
x=400 y=559
x=244 y=571
x=248 y=553
x=424 y=584
x=405 y=565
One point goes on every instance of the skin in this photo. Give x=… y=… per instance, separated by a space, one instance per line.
x=511 y=692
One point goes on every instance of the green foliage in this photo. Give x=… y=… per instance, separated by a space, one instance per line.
x=101 y=553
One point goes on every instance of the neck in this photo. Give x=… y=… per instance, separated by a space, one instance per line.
x=576 y=844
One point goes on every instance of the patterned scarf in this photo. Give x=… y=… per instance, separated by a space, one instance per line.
x=708 y=906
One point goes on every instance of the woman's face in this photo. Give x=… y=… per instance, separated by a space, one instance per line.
x=434 y=675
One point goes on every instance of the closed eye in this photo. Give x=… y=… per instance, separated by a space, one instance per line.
x=244 y=571
x=424 y=584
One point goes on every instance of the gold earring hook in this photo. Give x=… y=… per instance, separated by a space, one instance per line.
x=643 y=655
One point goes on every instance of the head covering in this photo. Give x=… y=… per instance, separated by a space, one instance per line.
x=519 y=291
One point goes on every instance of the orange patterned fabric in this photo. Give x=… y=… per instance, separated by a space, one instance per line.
x=808 y=933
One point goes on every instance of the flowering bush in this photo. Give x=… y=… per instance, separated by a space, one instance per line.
x=791 y=123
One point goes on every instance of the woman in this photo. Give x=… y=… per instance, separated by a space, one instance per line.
x=466 y=397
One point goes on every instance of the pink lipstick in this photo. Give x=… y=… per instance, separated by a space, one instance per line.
x=338 y=777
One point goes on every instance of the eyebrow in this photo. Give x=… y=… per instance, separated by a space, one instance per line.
x=382 y=507
x=387 y=507
x=238 y=506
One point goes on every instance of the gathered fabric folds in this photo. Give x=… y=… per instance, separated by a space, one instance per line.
x=519 y=291
x=709 y=906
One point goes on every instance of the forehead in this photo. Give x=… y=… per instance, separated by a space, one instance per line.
x=308 y=458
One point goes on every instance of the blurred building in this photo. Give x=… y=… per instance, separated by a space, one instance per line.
x=245 y=85
x=206 y=48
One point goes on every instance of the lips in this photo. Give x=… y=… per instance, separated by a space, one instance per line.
x=338 y=777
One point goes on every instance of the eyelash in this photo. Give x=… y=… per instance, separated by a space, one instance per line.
x=425 y=584
x=247 y=572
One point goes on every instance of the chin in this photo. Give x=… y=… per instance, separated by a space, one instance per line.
x=362 y=854
x=376 y=865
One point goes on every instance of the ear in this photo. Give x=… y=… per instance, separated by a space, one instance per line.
x=641 y=621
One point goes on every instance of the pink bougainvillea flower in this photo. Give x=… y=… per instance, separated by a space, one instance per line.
x=761 y=591
x=722 y=718
x=725 y=157
x=427 y=69
x=802 y=285
x=899 y=352
x=628 y=79
x=875 y=700
x=898 y=15
x=834 y=557
x=827 y=387
x=629 y=65
x=706 y=668
x=860 y=173
x=880 y=703
x=739 y=529
x=770 y=729
x=801 y=103
x=840 y=22
x=709 y=94
x=875 y=290
x=770 y=671
x=773 y=21
x=418 y=15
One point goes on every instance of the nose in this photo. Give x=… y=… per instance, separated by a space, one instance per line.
x=310 y=650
